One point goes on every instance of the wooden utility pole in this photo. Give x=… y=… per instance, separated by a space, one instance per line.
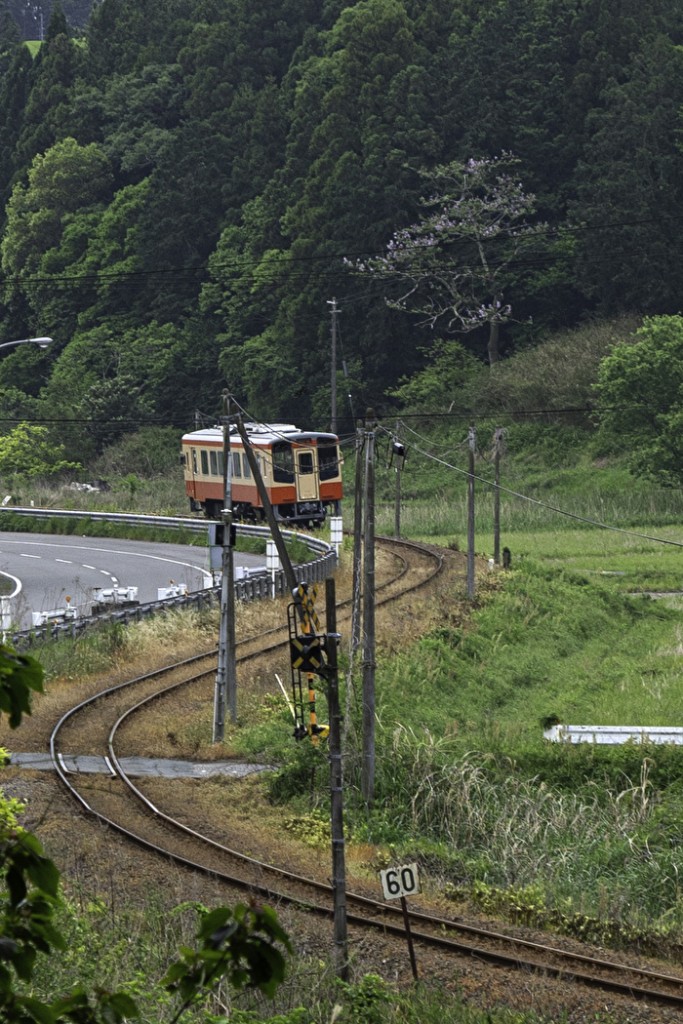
x=226 y=671
x=341 y=951
x=282 y=551
x=368 y=769
x=470 y=513
x=498 y=444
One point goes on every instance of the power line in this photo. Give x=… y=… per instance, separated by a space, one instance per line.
x=248 y=263
x=546 y=505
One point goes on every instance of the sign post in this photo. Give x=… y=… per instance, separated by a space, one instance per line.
x=397 y=883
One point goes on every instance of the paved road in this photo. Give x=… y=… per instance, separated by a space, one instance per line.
x=81 y=764
x=48 y=568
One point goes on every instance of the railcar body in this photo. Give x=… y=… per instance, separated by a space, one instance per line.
x=301 y=471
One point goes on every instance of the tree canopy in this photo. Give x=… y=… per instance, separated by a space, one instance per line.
x=640 y=391
x=200 y=169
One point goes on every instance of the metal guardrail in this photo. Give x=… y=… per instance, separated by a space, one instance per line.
x=251 y=587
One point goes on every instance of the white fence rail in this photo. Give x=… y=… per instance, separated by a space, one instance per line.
x=255 y=586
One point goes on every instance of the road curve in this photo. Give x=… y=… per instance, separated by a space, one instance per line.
x=44 y=569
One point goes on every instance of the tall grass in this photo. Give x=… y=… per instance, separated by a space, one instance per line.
x=475 y=822
x=466 y=782
x=560 y=501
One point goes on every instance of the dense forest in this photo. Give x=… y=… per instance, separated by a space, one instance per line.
x=185 y=185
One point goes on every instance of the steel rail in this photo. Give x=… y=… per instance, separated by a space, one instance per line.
x=369 y=904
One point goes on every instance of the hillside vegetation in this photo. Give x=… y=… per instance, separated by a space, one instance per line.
x=184 y=191
x=488 y=199
x=577 y=839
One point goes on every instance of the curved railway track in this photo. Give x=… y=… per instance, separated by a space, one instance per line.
x=97 y=722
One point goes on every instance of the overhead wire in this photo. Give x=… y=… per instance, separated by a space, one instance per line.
x=544 y=504
x=247 y=263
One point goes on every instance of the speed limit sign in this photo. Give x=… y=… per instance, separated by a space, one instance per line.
x=400 y=881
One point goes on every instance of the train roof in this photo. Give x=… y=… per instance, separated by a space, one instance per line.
x=260 y=433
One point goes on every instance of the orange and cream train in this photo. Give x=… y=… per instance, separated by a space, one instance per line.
x=301 y=471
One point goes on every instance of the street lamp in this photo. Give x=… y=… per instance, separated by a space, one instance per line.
x=40 y=342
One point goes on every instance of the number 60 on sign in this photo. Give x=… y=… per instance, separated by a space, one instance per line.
x=400 y=881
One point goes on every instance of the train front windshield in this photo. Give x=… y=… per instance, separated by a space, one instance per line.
x=328 y=461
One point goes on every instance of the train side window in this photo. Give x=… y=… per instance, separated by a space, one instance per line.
x=283 y=463
x=246 y=468
x=219 y=459
x=305 y=462
x=328 y=461
x=205 y=462
x=194 y=461
x=236 y=464
x=213 y=460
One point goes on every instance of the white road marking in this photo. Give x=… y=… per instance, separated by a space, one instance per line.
x=15 y=579
x=108 y=551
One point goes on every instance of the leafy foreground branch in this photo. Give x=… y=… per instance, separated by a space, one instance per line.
x=241 y=946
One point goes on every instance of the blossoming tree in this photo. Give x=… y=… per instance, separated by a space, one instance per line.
x=454 y=264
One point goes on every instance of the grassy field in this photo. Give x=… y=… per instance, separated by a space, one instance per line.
x=581 y=839
x=584 y=838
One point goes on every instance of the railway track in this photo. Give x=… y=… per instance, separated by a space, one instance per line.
x=97 y=723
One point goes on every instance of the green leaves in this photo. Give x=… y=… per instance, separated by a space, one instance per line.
x=640 y=392
x=239 y=945
x=20 y=676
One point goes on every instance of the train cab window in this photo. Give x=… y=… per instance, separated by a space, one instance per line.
x=328 y=461
x=236 y=464
x=205 y=461
x=283 y=463
x=213 y=461
x=246 y=468
x=195 y=468
x=305 y=462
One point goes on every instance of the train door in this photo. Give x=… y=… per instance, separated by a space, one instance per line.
x=192 y=470
x=306 y=476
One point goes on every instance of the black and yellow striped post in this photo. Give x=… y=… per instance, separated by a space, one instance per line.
x=310 y=626
x=307 y=649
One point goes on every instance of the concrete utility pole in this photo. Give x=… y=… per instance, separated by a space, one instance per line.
x=368 y=770
x=497 y=450
x=357 y=542
x=333 y=373
x=472 y=440
x=397 y=500
x=226 y=673
x=341 y=950
x=356 y=586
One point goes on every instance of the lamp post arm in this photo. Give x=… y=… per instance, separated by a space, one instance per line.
x=40 y=342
